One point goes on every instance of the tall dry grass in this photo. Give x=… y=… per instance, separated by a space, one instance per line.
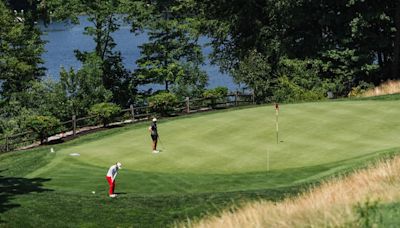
x=389 y=87
x=328 y=205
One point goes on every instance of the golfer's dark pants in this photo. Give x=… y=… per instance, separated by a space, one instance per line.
x=112 y=185
x=154 y=138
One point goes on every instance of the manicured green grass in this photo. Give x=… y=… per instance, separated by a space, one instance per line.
x=208 y=162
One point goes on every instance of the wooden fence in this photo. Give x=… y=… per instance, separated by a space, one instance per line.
x=77 y=125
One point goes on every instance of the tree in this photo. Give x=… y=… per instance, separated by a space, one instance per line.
x=256 y=73
x=84 y=88
x=172 y=56
x=47 y=98
x=373 y=35
x=20 y=54
x=237 y=27
x=106 y=18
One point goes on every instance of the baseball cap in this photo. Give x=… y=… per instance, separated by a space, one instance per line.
x=154 y=119
x=119 y=165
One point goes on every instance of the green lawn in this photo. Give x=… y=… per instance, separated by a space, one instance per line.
x=208 y=162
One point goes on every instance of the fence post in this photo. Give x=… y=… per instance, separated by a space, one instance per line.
x=187 y=105
x=236 y=98
x=132 y=112
x=7 y=147
x=74 y=125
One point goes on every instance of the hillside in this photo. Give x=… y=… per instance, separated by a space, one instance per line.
x=209 y=162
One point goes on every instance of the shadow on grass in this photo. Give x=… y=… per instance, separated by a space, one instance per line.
x=14 y=186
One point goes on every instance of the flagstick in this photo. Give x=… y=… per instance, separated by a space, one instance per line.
x=277 y=122
x=267 y=160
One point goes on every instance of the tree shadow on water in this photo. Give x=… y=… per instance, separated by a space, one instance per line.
x=10 y=187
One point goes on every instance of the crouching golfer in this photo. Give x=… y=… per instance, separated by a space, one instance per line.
x=111 y=175
x=154 y=134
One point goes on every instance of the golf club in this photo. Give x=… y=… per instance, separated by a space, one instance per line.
x=161 y=144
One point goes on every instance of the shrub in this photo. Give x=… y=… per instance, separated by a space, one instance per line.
x=217 y=94
x=360 y=89
x=44 y=126
x=163 y=103
x=105 y=112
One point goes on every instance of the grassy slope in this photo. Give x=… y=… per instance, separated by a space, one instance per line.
x=366 y=198
x=209 y=161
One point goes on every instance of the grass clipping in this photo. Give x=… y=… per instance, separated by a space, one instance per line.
x=332 y=204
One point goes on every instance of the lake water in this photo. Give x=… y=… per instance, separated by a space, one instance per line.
x=62 y=39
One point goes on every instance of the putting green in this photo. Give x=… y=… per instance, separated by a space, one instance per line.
x=232 y=150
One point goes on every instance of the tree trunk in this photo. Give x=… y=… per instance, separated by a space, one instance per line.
x=380 y=60
x=396 y=53
x=99 y=35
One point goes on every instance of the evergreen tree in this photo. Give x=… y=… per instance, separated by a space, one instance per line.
x=173 y=55
x=20 y=53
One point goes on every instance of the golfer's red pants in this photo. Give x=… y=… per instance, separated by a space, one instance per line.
x=112 y=185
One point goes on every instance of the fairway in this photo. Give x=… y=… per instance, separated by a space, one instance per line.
x=221 y=152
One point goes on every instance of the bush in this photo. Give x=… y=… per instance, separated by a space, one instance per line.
x=163 y=103
x=44 y=126
x=105 y=112
x=218 y=94
x=360 y=89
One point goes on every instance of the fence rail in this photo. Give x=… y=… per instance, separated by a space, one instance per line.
x=74 y=126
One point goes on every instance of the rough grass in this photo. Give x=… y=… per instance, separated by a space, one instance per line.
x=332 y=204
x=389 y=87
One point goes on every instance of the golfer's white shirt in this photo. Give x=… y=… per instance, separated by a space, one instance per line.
x=112 y=172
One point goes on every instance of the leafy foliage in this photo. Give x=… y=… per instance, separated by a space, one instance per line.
x=217 y=92
x=346 y=69
x=105 y=111
x=44 y=126
x=191 y=82
x=282 y=50
x=298 y=80
x=163 y=103
x=14 y=117
x=216 y=95
x=172 y=55
x=105 y=18
x=20 y=53
x=84 y=88
x=256 y=73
